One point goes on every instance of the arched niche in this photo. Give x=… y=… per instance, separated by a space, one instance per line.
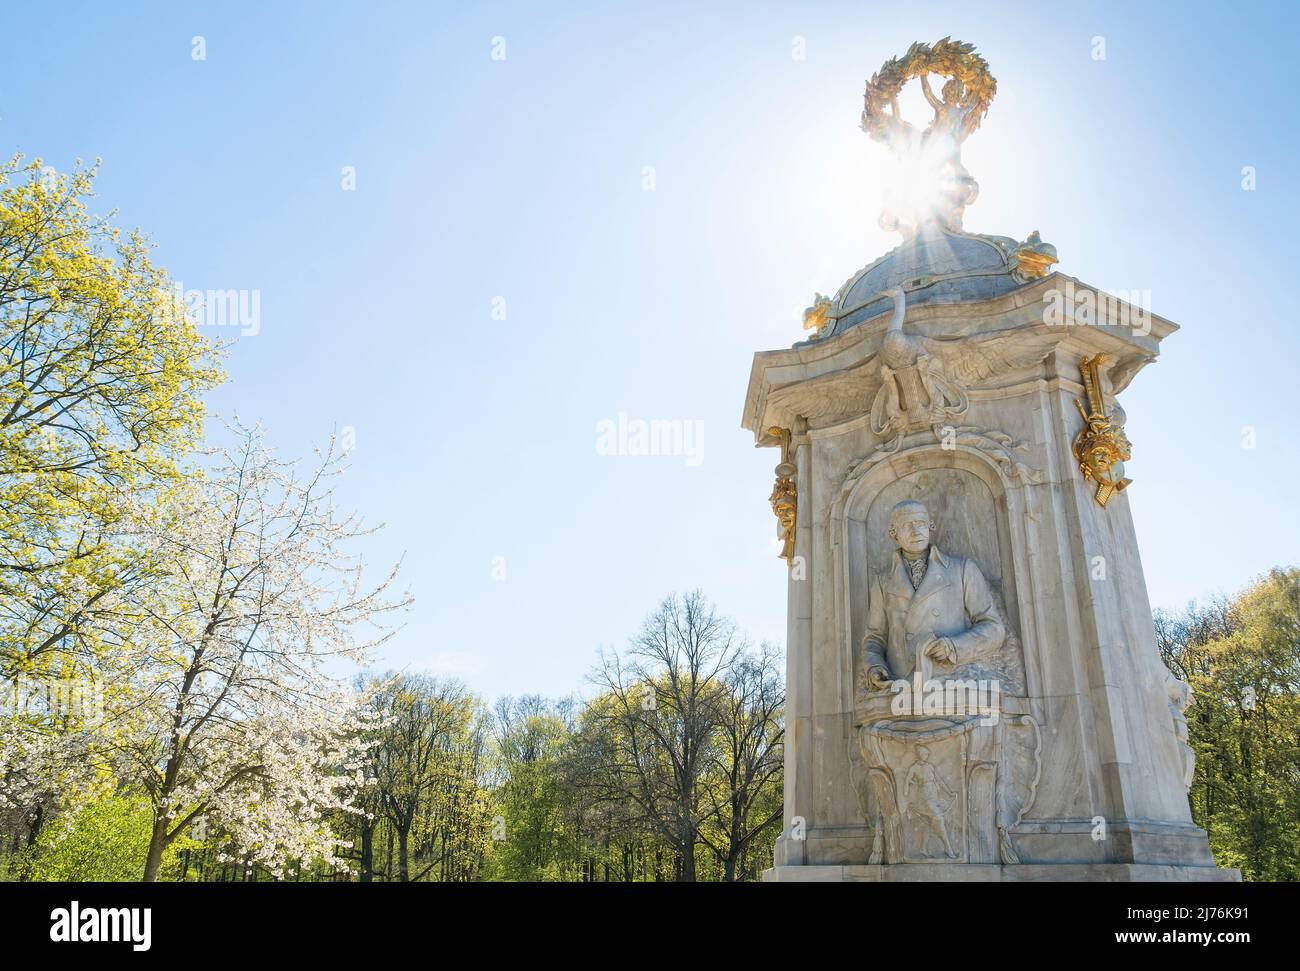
x=973 y=512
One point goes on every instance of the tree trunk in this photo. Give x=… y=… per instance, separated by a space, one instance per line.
x=367 y=855
x=729 y=868
x=403 y=867
x=157 y=843
x=687 y=873
x=38 y=821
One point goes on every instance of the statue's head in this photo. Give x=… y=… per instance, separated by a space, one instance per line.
x=953 y=91
x=910 y=526
x=922 y=753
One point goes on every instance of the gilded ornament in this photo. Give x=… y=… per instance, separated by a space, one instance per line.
x=1101 y=447
x=785 y=497
x=933 y=185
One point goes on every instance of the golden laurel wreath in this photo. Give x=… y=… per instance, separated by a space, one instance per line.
x=948 y=58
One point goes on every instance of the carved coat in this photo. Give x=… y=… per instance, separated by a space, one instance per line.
x=953 y=601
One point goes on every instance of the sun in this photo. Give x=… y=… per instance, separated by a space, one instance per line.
x=919 y=180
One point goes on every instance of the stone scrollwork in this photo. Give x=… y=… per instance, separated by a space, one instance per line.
x=999 y=446
x=1002 y=448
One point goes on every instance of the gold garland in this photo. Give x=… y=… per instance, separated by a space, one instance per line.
x=948 y=58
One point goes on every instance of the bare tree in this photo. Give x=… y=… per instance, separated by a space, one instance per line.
x=660 y=714
x=743 y=794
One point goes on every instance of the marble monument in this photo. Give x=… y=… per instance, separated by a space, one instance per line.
x=973 y=686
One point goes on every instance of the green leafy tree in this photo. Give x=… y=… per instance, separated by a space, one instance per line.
x=1242 y=658
x=102 y=840
x=101 y=378
x=532 y=737
x=101 y=383
x=429 y=762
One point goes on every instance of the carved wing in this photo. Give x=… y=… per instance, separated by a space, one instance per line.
x=970 y=360
x=826 y=399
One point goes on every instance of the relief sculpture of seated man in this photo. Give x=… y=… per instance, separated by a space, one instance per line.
x=929 y=611
x=937 y=783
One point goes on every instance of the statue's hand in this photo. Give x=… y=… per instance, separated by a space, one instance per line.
x=941 y=649
x=878 y=676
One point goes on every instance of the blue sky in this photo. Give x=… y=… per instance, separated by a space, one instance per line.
x=524 y=179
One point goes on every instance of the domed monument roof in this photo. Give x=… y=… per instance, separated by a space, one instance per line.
x=937 y=265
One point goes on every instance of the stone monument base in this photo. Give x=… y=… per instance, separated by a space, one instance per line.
x=1000 y=873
